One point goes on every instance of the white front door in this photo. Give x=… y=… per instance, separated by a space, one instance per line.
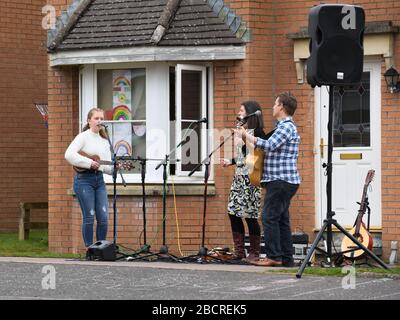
x=356 y=147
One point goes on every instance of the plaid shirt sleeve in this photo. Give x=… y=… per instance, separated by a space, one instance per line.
x=279 y=138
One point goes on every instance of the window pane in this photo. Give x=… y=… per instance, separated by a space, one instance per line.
x=122 y=96
x=191 y=95
x=351 y=114
x=191 y=110
x=191 y=147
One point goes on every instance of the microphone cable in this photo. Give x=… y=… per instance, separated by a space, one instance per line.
x=176 y=217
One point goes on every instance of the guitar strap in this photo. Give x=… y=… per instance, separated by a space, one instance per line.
x=269 y=134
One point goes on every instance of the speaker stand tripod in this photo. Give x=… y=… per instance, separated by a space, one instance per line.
x=329 y=221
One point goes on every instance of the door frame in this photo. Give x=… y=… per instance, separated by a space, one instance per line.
x=373 y=65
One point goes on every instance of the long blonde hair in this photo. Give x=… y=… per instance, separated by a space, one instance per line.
x=89 y=116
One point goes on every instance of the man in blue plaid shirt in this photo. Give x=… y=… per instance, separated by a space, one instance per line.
x=281 y=181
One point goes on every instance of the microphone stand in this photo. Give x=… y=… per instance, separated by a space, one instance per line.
x=163 y=253
x=114 y=176
x=202 y=255
x=146 y=247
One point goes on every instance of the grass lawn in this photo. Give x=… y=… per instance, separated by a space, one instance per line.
x=337 y=271
x=35 y=246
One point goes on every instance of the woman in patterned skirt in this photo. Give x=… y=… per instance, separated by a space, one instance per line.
x=245 y=198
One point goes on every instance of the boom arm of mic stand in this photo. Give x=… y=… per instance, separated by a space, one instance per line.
x=177 y=146
x=114 y=158
x=209 y=156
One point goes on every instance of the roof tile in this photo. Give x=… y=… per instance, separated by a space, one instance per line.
x=126 y=23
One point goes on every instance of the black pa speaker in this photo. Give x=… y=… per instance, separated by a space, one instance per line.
x=102 y=250
x=336 y=44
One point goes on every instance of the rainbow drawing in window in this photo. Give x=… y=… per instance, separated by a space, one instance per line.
x=122 y=95
x=123 y=148
x=121 y=112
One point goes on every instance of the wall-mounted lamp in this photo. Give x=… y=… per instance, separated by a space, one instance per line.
x=392 y=80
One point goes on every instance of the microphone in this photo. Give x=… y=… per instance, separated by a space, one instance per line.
x=257 y=113
x=202 y=120
x=102 y=123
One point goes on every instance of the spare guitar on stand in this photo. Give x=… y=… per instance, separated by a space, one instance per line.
x=360 y=232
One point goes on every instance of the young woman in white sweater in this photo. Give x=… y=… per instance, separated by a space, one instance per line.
x=84 y=153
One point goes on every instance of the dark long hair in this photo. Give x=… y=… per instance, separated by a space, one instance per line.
x=89 y=116
x=255 y=122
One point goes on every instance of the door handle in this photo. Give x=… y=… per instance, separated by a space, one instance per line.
x=321 y=147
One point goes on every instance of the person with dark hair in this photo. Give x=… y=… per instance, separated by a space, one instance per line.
x=245 y=198
x=280 y=180
x=88 y=146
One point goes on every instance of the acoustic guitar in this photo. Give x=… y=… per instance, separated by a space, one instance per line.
x=126 y=165
x=255 y=163
x=359 y=231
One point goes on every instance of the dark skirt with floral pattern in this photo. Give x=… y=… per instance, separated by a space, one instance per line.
x=244 y=198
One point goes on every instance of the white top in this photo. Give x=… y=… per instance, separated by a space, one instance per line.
x=92 y=144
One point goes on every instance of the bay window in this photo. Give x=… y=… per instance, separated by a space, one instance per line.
x=150 y=108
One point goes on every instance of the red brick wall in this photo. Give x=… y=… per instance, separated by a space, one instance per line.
x=63 y=126
x=290 y=15
x=390 y=137
x=267 y=70
x=23 y=143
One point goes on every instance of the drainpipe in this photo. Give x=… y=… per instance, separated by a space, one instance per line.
x=393 y=254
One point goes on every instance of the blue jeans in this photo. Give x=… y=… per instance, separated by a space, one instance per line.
x=91 y=192
x=276 y=222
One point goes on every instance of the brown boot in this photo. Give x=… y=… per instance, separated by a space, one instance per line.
x=238 y=242
x=254 y=251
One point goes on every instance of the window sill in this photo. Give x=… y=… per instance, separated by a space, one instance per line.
x=157 y=190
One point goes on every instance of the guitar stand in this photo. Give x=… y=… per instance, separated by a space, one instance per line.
x=329 y=221
x=355 y=249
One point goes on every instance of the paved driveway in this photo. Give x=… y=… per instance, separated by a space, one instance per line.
x=27 y=278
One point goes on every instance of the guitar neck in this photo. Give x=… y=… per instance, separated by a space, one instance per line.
x=105 y=162
x=363 y=206
x=364 y=196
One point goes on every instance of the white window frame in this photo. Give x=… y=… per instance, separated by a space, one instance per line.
x=157 y=116
x=203 y=152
